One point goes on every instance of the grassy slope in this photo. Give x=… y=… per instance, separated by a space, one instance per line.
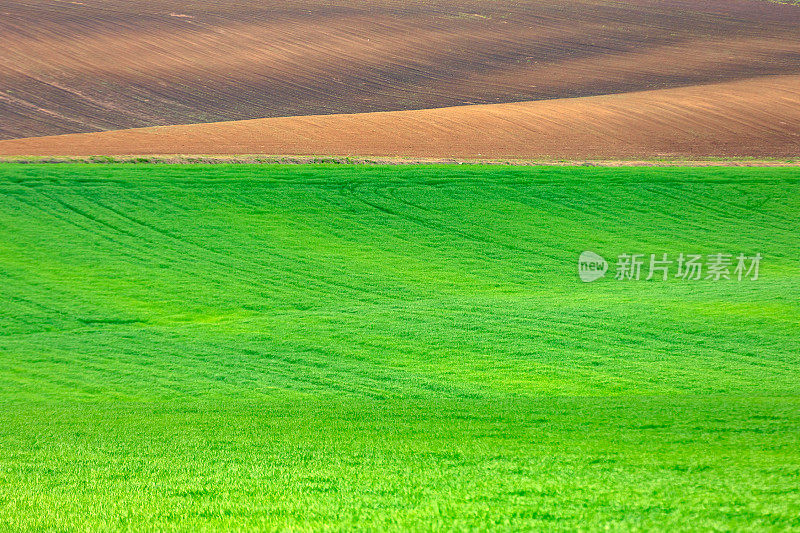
x=209 y=346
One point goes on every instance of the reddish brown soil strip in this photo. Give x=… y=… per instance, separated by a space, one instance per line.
x=255 y=159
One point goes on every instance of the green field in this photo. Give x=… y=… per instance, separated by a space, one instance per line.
x=216 y=347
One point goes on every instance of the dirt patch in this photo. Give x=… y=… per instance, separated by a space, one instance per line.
x=112 y=64
x=183 y=159
x=758 y=118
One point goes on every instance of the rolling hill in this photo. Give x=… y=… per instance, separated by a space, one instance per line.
x=96 y=65
x=394 y=348
x=329 y=347
x=748 y=118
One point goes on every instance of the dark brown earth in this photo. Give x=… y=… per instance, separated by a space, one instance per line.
x=92 y=65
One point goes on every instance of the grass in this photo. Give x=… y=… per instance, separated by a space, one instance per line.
x=216 y=347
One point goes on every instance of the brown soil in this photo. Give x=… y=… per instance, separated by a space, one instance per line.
x=94 y=65
x=748 y=118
